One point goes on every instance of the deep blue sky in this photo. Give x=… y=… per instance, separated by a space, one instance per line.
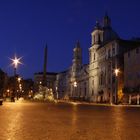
x=27 y=25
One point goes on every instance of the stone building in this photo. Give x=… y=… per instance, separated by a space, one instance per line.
x=50 y=80
x=61 y=84
x=132 y=75
x=104 y=59
x=102 y=80
x=3 y=82
x=79 y=75
x=73 y=83
x=106 y=56
x=27 y=86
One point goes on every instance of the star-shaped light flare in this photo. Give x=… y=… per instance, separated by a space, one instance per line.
x=16 y=61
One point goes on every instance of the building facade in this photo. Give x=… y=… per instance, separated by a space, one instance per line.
x=73 y=83
x=102 y=80
x=103 y=61
x=50 y=80
x=132 y=76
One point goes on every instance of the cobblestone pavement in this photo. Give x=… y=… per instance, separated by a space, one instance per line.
x=60 y=121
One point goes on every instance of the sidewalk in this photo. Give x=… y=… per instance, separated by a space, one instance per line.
x=74 y=103
x=97 y=104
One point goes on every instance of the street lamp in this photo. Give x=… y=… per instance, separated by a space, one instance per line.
x=15 y=62
x=56 y=92
x=116 y=71
x=19 y=79
x=8 y=91
x=75 y=86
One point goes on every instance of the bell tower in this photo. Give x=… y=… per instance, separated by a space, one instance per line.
x=96 y=42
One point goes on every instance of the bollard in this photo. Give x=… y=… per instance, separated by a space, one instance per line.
x=138 y=99
x=1 y=101
x=129 y=99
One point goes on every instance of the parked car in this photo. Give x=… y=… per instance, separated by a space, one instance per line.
x=1 y=101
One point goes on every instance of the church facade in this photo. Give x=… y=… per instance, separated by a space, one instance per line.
x=74 y=82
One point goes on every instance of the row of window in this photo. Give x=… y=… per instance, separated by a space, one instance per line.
x=102 y=79
x=108 y=54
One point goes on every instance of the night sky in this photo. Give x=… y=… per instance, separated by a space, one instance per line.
x=27 y=25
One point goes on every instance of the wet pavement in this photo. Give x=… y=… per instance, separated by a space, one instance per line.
x=60 y=121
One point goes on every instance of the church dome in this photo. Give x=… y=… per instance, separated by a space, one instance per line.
x=109 y=34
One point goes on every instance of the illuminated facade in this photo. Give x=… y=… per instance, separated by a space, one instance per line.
x=106 y=55
x=74 y=82
x=50 y=80
x=103 y=60
x=96 y=81
x=79 y=76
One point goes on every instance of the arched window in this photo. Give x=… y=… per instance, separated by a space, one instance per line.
x=102 y=79
x=99 y=39
x=94 y=56
x=94 y=39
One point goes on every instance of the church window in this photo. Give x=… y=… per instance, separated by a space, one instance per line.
x=92 y=92
x=85 y=88
x=92 y=82
x=113 y=51
x=101 y=79
x=94 y=56
x=90 y=56
x=94 y=39
x=99 y=39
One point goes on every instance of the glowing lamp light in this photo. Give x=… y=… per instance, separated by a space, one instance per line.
x=19 y=79
x=16 y=61
x=75 y=84
x=117 y=71
x=8 y=90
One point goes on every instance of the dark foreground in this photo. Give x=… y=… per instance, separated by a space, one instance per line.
x=42 y=121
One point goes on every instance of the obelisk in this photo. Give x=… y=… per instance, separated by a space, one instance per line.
x=45 y=67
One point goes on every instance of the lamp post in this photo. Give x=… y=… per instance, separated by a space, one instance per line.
x=20 y=86
x=15 y=63
x=56 y=92
x=75 y=86
x=8 y=91
x=116 y=84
